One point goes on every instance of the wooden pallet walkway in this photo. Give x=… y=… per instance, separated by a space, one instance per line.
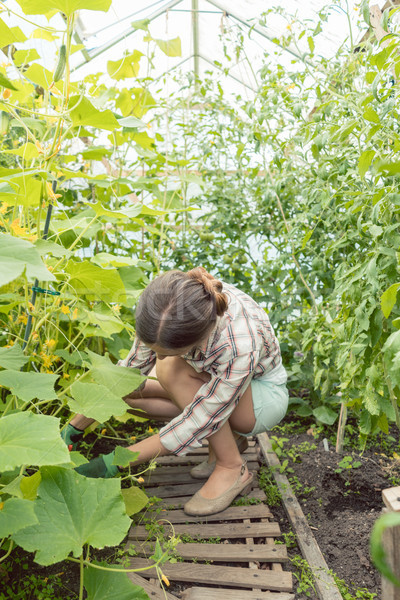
x=240 y=559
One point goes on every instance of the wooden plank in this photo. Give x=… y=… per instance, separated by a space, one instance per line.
x=391 y=498
x=391 y=545
x=324 y=582
x=203 y=593
x=194 y=459
x=219 y=575
x=233 y=513
x=164 y=475
x=169 y=491
x=179 y=501
x=216 y=530
x=224 y=552
x=154 y=593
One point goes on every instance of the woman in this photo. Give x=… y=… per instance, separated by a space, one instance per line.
x=219 y=376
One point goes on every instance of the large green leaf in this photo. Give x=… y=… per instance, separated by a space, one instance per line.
x=16 y=514
x=28 y=386
x=94 y=282
x=365 y=161
x=40 y=75
x=325 y=414
x=18 y=256
x=388 y=299
x=83 y=113
x=106 y=322
x=120 y=380
x=42 y=7
x=72 y=511
x=28 y=439
x=4 y=82
x=127 y=67
x=103 y=585
x=135 y=499
x=123 y=456
x=23 y=189
x=10 y=35
x=170 y=47
x=12 y=358
x=95 y=401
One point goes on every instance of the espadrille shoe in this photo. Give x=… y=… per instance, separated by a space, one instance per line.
x=200 y=506
x=204 y=469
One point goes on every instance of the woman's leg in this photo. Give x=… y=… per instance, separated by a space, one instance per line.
x=182 y=382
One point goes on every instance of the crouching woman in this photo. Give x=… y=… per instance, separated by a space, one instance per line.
x=219 y=377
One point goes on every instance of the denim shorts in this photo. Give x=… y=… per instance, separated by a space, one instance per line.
x=270 y=402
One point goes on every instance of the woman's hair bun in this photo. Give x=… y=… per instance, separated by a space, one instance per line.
x=212 y=287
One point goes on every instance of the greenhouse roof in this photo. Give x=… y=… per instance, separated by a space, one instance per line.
x=203 y=35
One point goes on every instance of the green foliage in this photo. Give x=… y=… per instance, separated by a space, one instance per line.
x=71 y=522
x=102 y=585
x=29 y=439
x=269 y=487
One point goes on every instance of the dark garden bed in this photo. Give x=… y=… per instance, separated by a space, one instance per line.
x=341 y=496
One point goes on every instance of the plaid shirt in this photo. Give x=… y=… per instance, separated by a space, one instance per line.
x=241 y=347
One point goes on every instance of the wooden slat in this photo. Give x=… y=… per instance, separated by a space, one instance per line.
x=203 y=593
x=154 y=593
x=194 y=459
x=324 y=582
x=233 y=513
x=179 y=501
x=169 y=491
x=223 y=552
x=221 y=530
x=164 y=475
x=219 y=575
x=391 y=498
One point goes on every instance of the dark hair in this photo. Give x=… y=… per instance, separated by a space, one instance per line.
x=177 y=309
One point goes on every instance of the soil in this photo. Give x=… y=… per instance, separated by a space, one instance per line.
x=341 y=504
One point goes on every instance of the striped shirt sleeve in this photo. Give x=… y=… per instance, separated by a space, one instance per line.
x=139 y=357
x=211 y=406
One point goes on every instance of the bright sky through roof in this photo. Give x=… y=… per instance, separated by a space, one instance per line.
x=174 y=18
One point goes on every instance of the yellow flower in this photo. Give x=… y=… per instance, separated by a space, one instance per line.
x=22 y=319
x=117 y=308
x=51 y=344
x=31 y=307
x=35 y=335
x=50 y=192
x=16 y=227
x=150 y=430
x=39 y=147
x=165 y=579
x=140 y=480
x=47 y=360
x=65 y=309
x=66 y=376
x=3 y=208
x=75 y=314
x=103 y=431
x=133 y=438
